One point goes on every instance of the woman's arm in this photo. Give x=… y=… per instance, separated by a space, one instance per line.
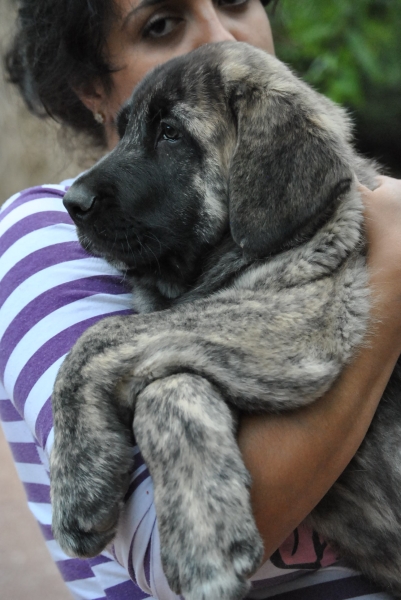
x=50 y=292
x=295 y=458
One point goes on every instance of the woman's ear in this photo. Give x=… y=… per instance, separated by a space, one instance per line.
x=286 y=171
x=93 y=96
x=97 y=100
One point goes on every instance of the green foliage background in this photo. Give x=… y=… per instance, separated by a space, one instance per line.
x=351 y=51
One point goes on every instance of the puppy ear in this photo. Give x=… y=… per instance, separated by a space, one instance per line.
x=286 y=172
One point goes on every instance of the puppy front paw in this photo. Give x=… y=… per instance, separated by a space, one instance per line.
x=87 y=491
x=209 y=541
x=79 y=533
x=92 y=457
x=217 y=569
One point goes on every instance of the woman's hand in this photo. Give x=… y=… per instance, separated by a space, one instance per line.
x=295 y=458
x=383 y=229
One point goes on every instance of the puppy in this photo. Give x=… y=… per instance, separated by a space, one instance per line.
x=231 y=204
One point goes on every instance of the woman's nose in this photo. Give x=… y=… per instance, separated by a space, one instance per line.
x=211 y=29
x=218 y=33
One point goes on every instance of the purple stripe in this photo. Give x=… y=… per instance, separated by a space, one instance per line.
x=37 y=492
x=138 y=461
x=32 y=223
x=74 y=568
x=146 y=560
x=37 y=261
x=126 y=591
x=99 y=560
x=50 y=301
x=8 y=412
x=32 y=194
x=25 y=453
x=48 y=354
x=46 y=532
x=44 y=423
x=340 y=589
x=136 y=483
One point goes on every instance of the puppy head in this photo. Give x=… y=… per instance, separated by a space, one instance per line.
x=159 y=201
x=225 y=138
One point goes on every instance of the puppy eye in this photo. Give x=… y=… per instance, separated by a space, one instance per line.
x=169 y=133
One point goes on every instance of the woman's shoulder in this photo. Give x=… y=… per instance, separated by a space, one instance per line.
x=31 y=198
x=40 y=251
x=32 y=209
x=48 y=190
x=35 y=229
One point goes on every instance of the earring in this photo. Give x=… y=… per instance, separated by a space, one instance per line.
x=99 y=118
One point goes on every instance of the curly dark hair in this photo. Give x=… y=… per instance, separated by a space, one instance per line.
x=59 y=48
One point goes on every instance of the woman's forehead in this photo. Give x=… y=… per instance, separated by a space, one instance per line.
x=129 y=8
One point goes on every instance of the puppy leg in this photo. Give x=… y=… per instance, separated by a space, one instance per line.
x=209 y=541
x=182 y=425
x=361 y=513
x=92 y=457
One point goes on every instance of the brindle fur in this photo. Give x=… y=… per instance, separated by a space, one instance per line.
x=246 y=235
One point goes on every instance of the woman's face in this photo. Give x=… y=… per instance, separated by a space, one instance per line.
x=150 y=32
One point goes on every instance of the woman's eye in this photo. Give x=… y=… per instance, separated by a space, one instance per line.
x=160 y=27
x=169 y=133
x=232 y=2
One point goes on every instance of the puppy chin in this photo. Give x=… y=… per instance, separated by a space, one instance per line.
x=91 y=247
x=88 y=245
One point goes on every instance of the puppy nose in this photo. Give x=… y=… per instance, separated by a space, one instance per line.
x=80 y=203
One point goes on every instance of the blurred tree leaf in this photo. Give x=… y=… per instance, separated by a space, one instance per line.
x=350 y=51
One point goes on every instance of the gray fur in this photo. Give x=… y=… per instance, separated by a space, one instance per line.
x=257 y=263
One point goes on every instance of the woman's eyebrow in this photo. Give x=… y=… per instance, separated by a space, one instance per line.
x=141 y=6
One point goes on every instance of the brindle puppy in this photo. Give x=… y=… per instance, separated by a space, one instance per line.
x=231 y=203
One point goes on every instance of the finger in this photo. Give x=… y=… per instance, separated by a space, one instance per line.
x=387 y=188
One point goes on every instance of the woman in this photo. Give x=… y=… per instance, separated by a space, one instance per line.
x=79 y=61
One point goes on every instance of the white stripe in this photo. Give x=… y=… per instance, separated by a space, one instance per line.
x=158 y=581
x=108 y=554
x=33 y=207
x=42 y=512
x=110 y=574
x=55 y=323
x=17 y=432
x=137 y=472
x=106 y=575
x=49 y=442
x=47 y=279
x=41 y=391
x=56 y=551
x=29 y=473
x=44 y=458
x=138 y=519
x=139 y=503
x=85 y=589
x=36 y=240
x=57 y=186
